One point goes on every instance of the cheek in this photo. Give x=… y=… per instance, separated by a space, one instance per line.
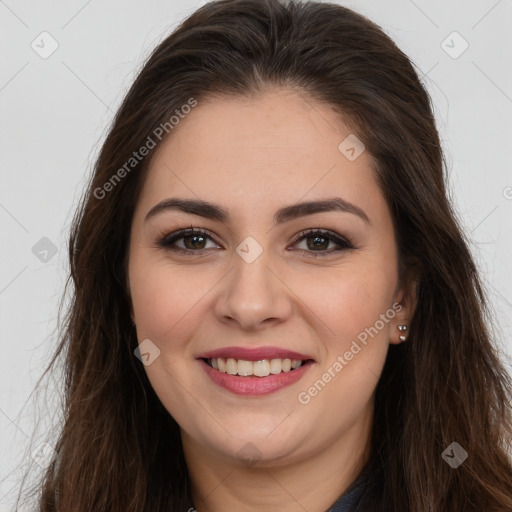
x=350 y=300
x=357 y=309
x=166 y=299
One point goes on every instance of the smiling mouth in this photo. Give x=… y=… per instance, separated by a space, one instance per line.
x=261 y=368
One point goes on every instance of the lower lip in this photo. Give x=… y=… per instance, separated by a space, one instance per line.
x=255 y=386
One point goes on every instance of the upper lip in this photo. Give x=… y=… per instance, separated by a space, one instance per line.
x=253 y=354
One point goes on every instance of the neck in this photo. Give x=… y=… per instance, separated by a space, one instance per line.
x=312 y=482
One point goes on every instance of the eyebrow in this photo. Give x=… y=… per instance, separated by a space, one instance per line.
x=286 y=214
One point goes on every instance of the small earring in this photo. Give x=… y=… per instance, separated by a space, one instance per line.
x=133 y=324
x=402 y=328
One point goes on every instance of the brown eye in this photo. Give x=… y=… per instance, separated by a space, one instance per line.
x=193 y=241
x=318 y=241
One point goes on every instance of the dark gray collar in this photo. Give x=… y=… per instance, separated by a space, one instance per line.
x=350 y=499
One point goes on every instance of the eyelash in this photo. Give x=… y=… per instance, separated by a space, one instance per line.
x=167 y=241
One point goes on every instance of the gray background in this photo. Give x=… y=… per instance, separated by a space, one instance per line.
x=55 y=112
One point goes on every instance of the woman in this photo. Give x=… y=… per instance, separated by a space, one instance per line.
x=274 y=306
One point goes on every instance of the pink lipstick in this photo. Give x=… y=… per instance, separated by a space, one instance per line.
x=255 y=371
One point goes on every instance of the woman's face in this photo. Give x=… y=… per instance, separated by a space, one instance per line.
x=252 y=291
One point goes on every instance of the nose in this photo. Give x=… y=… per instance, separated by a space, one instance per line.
x=254 y=295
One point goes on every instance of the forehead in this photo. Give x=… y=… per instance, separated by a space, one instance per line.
x=280 y=146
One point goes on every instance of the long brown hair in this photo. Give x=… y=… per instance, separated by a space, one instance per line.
x=119 y=449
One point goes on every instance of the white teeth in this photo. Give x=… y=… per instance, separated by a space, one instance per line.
x=275 y=366
x=262 y=368
x=245 y=368
x=232 y=366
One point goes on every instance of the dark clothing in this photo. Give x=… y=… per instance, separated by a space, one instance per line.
x=350 y=499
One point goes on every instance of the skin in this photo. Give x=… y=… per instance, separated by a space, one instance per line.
x=253 y=156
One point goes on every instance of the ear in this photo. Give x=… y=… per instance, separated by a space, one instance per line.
x=405 y=301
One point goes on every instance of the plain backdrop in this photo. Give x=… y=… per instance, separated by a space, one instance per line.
x=65 y=68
